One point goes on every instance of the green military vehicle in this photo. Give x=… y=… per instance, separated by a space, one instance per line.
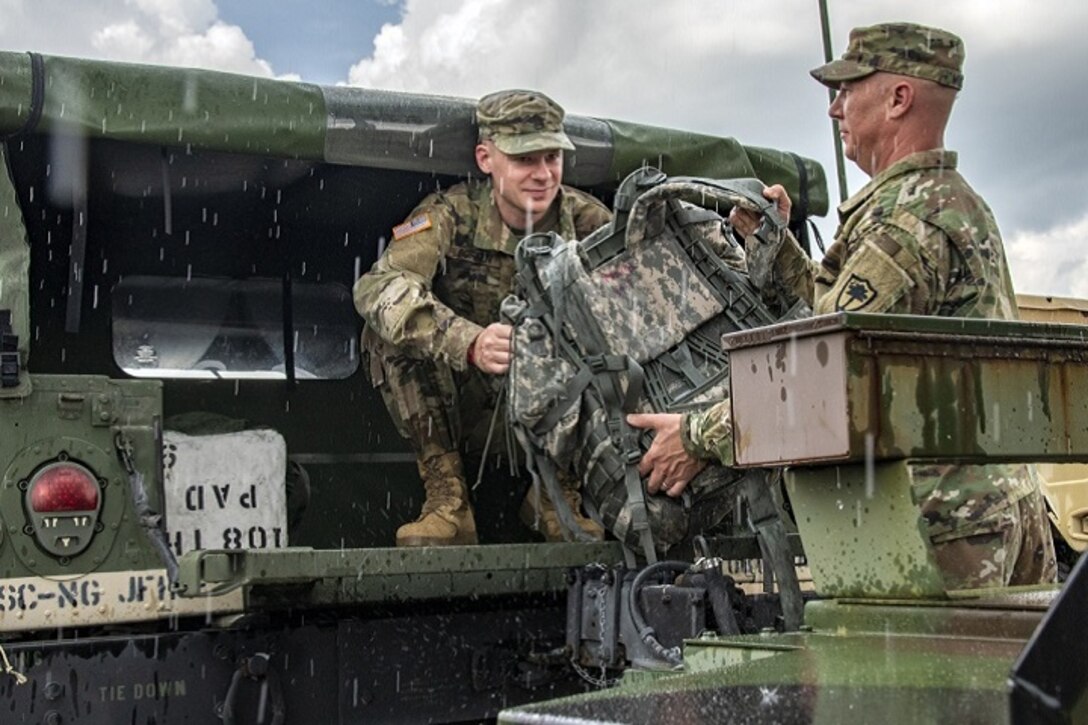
x=199 y=488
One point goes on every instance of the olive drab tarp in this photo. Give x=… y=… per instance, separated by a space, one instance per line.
x=693 y=154
x=630 y=320
x=161 y=106
x=203 y=109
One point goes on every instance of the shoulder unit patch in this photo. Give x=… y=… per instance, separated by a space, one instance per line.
x=856 y=294
x=415 y=224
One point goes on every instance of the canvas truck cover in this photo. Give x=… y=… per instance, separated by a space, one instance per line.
x=211 y=110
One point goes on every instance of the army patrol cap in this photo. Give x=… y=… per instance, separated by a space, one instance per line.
x=903 y=48
x=521 y=122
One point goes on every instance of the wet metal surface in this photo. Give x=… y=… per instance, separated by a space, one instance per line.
x=861 y=664
x=373 y=575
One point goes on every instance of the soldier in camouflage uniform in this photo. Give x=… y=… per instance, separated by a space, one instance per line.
x=437 y=350
x=916 y=239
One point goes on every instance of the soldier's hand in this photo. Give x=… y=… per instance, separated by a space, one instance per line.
x=667 y=464
x=746 y=221
x=491 y=348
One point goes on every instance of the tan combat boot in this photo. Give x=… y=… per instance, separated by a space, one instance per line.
x=446 y=519
x=545 y=519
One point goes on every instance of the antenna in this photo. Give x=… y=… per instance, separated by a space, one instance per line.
x=840 y=164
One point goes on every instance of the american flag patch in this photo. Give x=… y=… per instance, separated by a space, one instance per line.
x=410 y=227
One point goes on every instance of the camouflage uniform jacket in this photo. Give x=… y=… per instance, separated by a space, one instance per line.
x=916 y=239
x=441 y=279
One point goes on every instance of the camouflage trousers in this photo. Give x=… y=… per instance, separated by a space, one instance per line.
x=1010 y=547
x=438 y=409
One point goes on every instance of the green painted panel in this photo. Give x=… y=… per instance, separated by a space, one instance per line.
x=77 y=417
x=862 y=531
x=390 y=574
x=1004 y=616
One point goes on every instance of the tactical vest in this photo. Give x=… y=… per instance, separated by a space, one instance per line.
x=630 y=320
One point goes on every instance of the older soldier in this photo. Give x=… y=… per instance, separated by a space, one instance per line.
x=431 y=304
x=916 y=239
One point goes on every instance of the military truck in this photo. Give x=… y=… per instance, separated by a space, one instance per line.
x=199 y=488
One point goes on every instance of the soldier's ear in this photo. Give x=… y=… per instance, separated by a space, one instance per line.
x=900 y=99
x=483 y=158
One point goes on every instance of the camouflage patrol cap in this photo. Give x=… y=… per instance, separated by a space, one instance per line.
x=521 y=122
x=903 y=48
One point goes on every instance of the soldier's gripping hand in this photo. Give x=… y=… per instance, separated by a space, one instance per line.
x=490 y=351
x=667 y=464
x=746 y=221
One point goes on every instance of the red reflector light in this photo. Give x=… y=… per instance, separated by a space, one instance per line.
x=63 y=487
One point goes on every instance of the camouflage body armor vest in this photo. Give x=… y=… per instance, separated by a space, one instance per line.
x=630 y=320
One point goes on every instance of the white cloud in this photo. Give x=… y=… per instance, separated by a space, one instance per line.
x=735 y=68
x=739 y=69
x=473 y=47
x=1052 y=261
x=221 y=46
x=168 y=32
x=128 y=35
x=177 y=17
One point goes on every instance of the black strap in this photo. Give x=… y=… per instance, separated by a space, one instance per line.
x=802 y=204
x=592 y=366
x=152 y=523
x=37 y=97
x=680 y=361
x=718 y=590
x=766 y=517
x=816 y=233
x=802 y=183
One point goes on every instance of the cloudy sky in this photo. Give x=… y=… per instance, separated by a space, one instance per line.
x=725 y=67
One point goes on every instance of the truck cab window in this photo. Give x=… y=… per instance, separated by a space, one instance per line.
x=168 y=327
